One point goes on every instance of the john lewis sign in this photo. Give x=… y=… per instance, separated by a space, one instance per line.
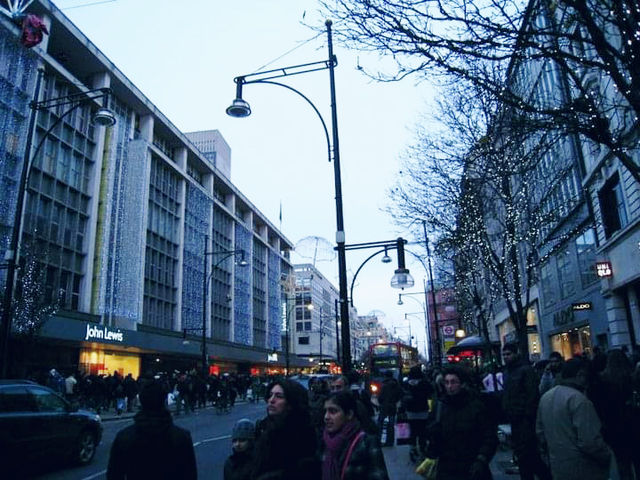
x=103 y=333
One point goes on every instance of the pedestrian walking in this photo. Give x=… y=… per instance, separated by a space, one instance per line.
x=239 y=464
x=569 y=429
x=390 y=395
x=348 y=452
x=153 y=447
x=364 y=413
x=416 y=404
x=520 y=404
x=70 y=386
x=285 y=440
x=462 y=435
x=551 y=372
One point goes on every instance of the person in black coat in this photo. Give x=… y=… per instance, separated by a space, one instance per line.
x=286 y=442
x=153 y=447
x=461 y=434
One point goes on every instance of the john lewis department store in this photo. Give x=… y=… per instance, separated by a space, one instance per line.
x=121 y=218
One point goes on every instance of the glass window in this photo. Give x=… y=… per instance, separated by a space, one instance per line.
x=586 y=248
x=298 y=326
x=546 y=280
x=565 y=278
x=612 y=206
x=303 y=340
x=47 y=401
x=307 y=326
x=16 y=399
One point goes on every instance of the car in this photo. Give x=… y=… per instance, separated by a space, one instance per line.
x=39 y=426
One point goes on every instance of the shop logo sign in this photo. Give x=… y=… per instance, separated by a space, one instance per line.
x=99 y=332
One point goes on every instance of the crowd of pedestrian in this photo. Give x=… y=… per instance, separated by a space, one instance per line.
x=569 y=419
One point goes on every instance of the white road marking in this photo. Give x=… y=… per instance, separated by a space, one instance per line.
x=95 y=475
x=207 y=440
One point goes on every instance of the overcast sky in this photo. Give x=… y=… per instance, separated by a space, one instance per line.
x=183 y=55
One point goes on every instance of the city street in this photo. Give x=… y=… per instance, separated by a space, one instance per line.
x=211 y=435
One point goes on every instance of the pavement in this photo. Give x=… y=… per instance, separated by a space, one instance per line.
x=399 y=466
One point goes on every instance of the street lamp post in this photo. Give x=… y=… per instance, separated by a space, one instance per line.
x=401 y=279
x=102 y=117
x=205 y=290
x=433 y=297
x=240 y=108
x=424 y=311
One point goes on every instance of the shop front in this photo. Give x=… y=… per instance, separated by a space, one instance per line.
x=576 y=341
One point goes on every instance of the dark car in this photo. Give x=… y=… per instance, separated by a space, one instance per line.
x=37 y=425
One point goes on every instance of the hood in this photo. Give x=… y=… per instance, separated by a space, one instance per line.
x=153 y=422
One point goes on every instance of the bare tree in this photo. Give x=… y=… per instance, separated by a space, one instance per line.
x=482 y=182
x=592 y=47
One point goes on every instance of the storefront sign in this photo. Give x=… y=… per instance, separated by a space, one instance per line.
x=603 y=269
x=101 y=332
x=582 y=306
x=272 y=357
x=563 y=317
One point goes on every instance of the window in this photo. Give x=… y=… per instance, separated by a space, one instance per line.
x=16 y=399
x=586 y=247
x=303 y=340
x=612 y=207
x=307 y=326
x=298 y=326
x=546 y=279
x=565 y=278
x=47 y=401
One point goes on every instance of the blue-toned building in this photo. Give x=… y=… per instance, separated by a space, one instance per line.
x=131 y=224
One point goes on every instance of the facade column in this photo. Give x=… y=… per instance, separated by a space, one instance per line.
x=617 y=318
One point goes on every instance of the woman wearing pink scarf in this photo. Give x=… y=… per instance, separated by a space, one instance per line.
x=348 y=452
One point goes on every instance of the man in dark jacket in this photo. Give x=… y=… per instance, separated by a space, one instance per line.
x=520 y=404
x=153 y=447
x=390 y=395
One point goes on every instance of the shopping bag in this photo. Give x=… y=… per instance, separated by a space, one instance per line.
x=428 y=468
x=403 y=433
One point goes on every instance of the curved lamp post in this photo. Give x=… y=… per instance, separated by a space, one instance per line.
x=240 y=108
x=205 y=290
x=103 y=117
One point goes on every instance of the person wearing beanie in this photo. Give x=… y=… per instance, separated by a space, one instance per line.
x=153 y=447
x=239 y=464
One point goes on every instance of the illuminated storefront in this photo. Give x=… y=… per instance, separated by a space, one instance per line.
x=576 y=341
x=103 y=362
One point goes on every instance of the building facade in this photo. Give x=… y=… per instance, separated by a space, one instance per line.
x=142 y=239
x=315 y=317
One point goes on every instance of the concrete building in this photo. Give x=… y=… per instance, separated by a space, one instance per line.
x=130 y=224
x=315 y=317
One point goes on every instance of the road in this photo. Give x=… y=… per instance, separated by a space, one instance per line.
x=211 y=434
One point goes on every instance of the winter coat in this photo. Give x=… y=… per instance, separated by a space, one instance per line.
x=520 y=397
x=569 y=429
x=416 y=399
x=286 y=449
x=390 y=395
x=366 y=461
x=464 y=434
x=238 y=466
x=153 y=447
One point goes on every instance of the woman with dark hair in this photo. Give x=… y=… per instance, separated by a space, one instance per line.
x=348 y=452
x=461 y=433
x=613 y=400
x=285 y=440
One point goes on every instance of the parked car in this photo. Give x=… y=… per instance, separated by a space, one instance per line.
x=38 y=425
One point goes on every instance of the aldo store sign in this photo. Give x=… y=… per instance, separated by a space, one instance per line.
x=102 y=333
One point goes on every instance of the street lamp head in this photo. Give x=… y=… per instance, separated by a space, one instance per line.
x=402 y=279
x=239 y=108
x=386 y=258
x=242 y=262
x=400 y=302
x=104 y=118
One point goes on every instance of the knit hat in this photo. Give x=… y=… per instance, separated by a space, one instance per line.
x=152 y=396
x=243 y=430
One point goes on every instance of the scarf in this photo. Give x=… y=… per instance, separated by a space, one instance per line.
x=335 y=444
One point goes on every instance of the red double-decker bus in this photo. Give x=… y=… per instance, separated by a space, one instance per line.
x=395 y=357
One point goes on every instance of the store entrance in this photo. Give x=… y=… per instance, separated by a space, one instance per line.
x=102 y=362
x=576 y=341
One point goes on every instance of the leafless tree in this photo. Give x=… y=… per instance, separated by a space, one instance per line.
x=591 y=46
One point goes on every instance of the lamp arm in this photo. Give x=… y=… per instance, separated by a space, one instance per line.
x=353 y=280
x=285 y=71
x=306 y=99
